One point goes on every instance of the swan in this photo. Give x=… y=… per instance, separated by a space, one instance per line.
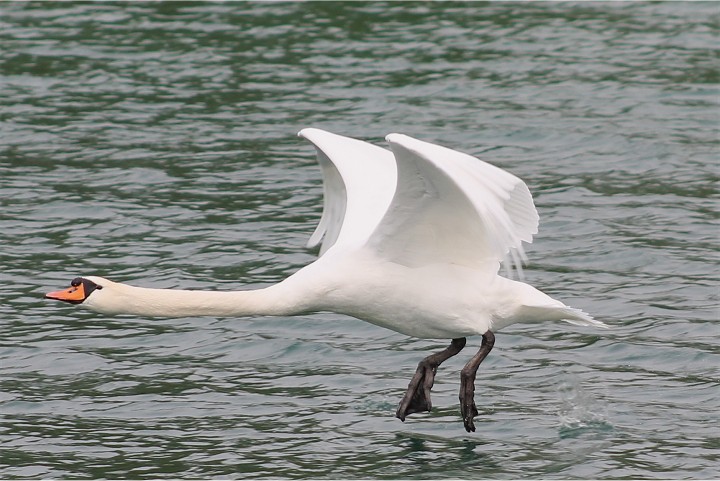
x=410 y=239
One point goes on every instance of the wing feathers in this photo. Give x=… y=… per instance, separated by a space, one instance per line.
x=441 y=189
x=359 y=182
x=421 y=203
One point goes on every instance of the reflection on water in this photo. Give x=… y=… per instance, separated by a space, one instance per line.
x=154 y=144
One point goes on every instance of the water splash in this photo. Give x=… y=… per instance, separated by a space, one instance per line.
x=580 y=411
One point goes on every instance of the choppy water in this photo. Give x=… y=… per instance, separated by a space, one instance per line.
x=155 y=144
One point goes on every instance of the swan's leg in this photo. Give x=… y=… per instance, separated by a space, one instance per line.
x=417 y=396
x=467 y=382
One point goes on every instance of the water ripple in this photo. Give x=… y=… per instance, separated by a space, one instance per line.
x=154 y=143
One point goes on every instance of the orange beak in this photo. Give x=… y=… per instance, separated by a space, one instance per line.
x=73 y=295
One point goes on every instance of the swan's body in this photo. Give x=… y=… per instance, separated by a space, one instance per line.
x=420 y=302
x=411 y=240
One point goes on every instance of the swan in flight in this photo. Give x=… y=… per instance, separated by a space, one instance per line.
x=411 y=239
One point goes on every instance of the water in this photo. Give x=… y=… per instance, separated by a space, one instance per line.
x=155 y=144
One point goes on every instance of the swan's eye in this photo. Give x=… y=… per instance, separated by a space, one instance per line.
x=98 y=287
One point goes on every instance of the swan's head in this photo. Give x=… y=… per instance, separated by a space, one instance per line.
x=102 y=295
x=81 y=288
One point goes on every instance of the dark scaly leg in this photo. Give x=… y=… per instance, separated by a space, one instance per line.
x=417 y=397
x=467 y=382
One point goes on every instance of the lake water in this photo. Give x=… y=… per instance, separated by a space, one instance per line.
x=154 y=143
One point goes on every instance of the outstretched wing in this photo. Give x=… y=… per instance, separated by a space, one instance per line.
x=359 y=181
x=450 y=207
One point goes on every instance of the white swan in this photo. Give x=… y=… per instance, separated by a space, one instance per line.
x=412 y=240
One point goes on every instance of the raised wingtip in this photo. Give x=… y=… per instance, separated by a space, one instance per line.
x=316 y=135
x=395 y=138
x=305 y=132
x=411 y=144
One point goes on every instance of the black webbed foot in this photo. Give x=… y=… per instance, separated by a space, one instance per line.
x=468 y=410
x=417 y=397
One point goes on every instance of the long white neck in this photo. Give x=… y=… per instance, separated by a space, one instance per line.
x=279 y=299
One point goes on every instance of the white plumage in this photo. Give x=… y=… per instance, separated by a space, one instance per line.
x=411 y=239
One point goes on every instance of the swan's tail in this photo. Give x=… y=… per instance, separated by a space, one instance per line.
x=579 y=318
x=559 y=313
